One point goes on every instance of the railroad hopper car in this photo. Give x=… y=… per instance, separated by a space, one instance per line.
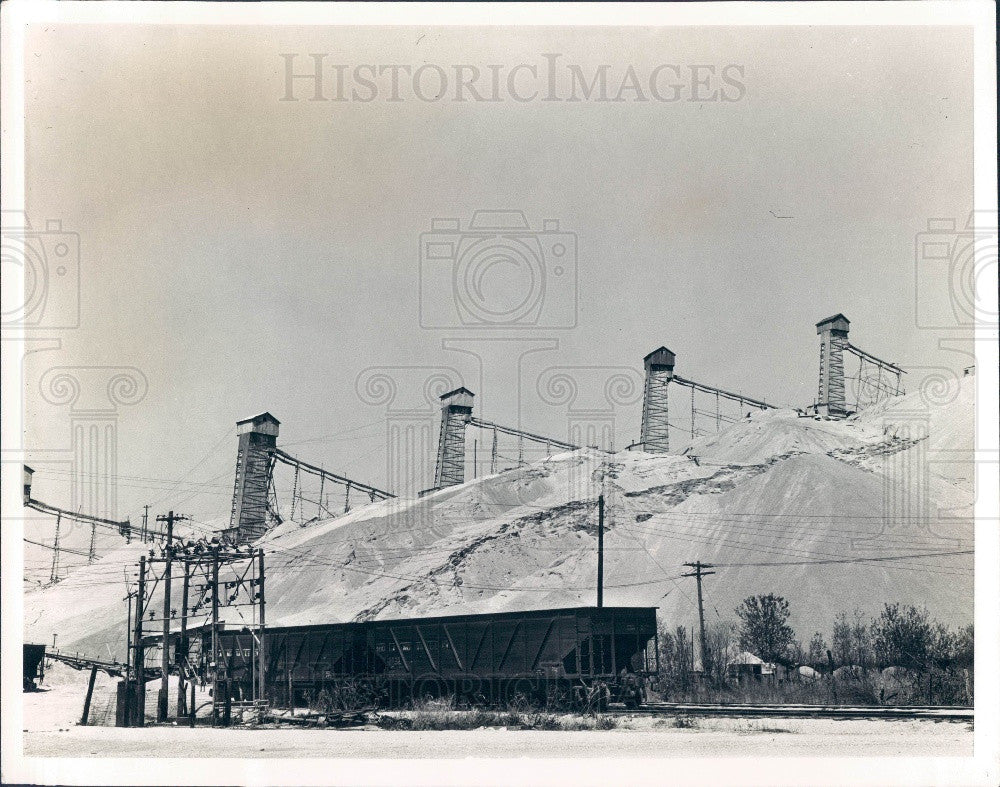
x=550 y=657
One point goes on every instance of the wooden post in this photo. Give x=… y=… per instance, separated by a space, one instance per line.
x=600 y=551
x=192 y=710
x=227 y=713
x=261 y=694
x=138 y=658
x=162 y=697
x=84 y=720
x=182 y=645
x=215 y=637
x=698 y=573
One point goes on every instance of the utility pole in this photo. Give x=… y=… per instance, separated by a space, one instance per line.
x=698 y=573
x=319 y=500
x=138 y=658
x=145 y=522
x=54 y=574
x=128 y=636
x=600 y=550
x=181 y=651
x=215 y=637
x=260 y=643
x=93 y=539
x=161 y=707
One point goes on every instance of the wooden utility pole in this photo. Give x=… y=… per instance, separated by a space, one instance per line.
x=319 y=500
x=698 y=573
x=181 y=651
x=54 y=574
x=128 y=637
x=260 y=643
x=145 y=522
x=215 y=637
x=85 y=718
x=138 y=659
x=600 y=550
x=162 y=699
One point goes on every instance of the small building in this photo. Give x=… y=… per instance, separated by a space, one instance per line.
x=33 y=665
x=746 y=665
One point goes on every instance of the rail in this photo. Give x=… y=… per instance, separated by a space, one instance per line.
x=900 y=712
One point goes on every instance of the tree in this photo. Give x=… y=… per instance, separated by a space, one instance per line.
x=942 y=646
x=675 y=659
x=964 y=642
x=861 y=641
x=817 y=651
x=902 y=636
x=764 y=629
x=842 y=640
x=852 y=642
x=720 y=636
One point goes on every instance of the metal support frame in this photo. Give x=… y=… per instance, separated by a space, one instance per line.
x=655 y=434
x=306 y=467
x=759 y=404
x=249 y=516
x=871 y=388
x=522 y=435
x=450 y=467
x=123 y=527
x=718 y=395
x=231 y=578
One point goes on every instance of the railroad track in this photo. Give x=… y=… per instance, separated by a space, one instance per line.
x=937 y=713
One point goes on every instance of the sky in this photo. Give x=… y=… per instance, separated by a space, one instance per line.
x=248 y=253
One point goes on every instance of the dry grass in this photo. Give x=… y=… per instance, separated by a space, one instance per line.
x=438 y=718
x=759 y=727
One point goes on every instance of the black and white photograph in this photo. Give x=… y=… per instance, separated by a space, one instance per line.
x=487 y=393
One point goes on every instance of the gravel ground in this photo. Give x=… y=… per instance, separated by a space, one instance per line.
x=714 y=737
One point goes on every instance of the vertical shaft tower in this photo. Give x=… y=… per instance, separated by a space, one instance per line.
x=833 y=341
x=258 y=437
x=655 y=435
x=456 y=412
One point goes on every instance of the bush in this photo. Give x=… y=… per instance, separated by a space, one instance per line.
x=441 y=719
